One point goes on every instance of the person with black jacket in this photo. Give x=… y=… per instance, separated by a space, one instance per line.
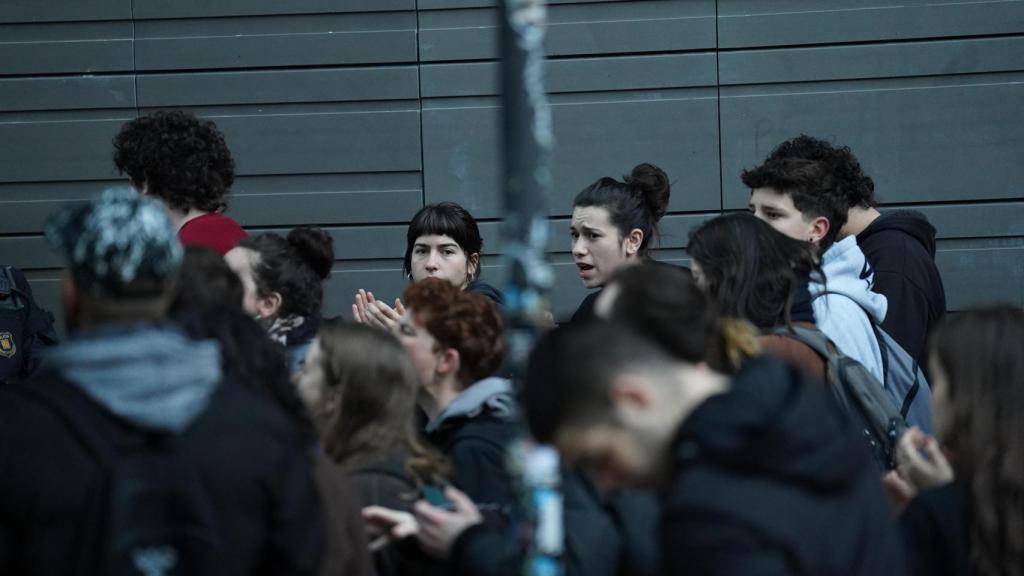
x=442 y=241
x=899 y=245
x=759 y=473
x=456 y=341
x=125 y=379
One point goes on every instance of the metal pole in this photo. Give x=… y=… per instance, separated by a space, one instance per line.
x=528 y=141
x=526 y=183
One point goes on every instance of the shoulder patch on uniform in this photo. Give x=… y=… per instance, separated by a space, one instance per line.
x=7 y=346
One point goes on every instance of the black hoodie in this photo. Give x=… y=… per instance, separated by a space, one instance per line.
x=770 y=478
x=900 y=247
x=485 y=289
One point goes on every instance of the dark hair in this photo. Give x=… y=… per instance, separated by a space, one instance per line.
x=810 y=184
x=664 y=303
x=571 y=370
x=467 y=322
x=295 y=267
x=205 y=279
x=636 y=203
x=375 y=385
x=751 y=270
x=248 y=357
x=180 y=159
x=852 y=184
x=979 y=353
x=444 y=219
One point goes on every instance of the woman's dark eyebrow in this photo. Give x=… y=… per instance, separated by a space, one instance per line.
x=445 y=245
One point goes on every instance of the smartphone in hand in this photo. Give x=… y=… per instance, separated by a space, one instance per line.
x=435 y=497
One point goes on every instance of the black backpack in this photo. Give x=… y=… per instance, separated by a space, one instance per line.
x=858 y=393
x=25 y=328
x=158 y=520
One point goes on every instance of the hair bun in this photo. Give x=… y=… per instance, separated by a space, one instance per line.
x=653 y=183
x=315 y=247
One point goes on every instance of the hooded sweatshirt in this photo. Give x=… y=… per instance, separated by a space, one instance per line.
x=900 y=247
x=140 y=376
x=490 y=292
x=128 y=380
x=474 y=432
x=771 y=478
x=843 y=303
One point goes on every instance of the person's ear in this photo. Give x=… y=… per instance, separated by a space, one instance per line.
x=449 y=361
x=630 y=393
x=472 y=265
x=633 y=241
x=819 y=229
x=269 y=305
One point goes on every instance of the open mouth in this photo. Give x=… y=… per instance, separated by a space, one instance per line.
x=584 y=267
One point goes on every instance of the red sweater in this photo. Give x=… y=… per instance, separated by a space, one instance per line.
x=213 y=231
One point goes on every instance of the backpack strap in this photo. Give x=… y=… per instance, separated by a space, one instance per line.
x=912 y=393
x=811 y=337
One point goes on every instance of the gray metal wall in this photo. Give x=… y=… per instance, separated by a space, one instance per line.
x=352 y=114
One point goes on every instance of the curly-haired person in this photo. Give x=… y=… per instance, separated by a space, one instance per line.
x=899 y=244
x=185 y=163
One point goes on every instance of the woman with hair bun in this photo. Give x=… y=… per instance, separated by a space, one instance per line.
x=283 y=281
x=613 y=224
x=443 y=241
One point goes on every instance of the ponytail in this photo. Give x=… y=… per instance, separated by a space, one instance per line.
x=734 y=344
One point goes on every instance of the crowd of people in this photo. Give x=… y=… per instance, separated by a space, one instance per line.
x=796 y=401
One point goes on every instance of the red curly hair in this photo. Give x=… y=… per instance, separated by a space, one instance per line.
x=467 y=322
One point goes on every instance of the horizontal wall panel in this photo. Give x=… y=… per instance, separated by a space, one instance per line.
x=922 y=142
x=67 y=93
x=872 y=61
x=339 y=292
x=984 y=275
x=577 y=75
x=64 y=10
x=753 y=23
x=29 y=253
x=297 y=209
x=58 y=150
x=326 y=198
x=148 y=9
x=323 y=142
x=462 y=162
x=65 y=48
x=448 y=4
x=280 y=41
x=996 y=220
x=577 y=29
x=278 y=86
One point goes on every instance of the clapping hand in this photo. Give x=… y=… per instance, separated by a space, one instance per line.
x=368 y=310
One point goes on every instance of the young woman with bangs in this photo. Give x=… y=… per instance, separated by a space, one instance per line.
x=443 y=241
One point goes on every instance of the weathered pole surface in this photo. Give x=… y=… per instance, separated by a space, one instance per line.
x=527 y=141
x=526 y=185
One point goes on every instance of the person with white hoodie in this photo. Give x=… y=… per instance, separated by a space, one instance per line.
x=794 y=196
